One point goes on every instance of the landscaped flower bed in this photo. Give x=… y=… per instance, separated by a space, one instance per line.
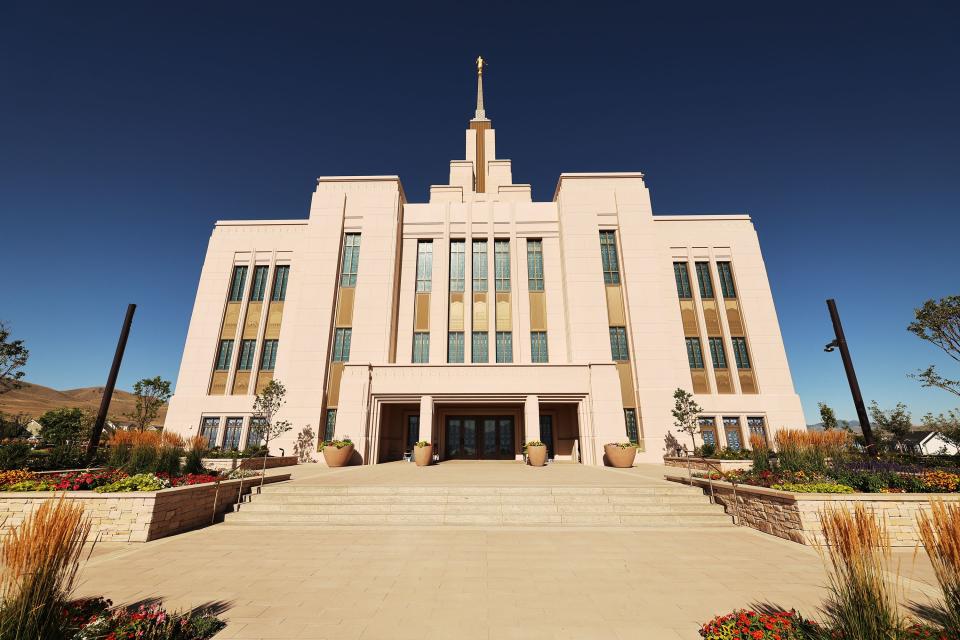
x=96 y=618
x=101 y=481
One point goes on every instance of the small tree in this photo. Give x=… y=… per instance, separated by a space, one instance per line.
x=827 y=418
x=685 y=413
x=265 y=408
x=152 y=394
x=938 y=322
x=895 y=424
x=63 y=427
x=13 y=357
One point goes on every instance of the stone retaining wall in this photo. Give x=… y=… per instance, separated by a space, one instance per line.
x=255 y=464
x=137 y=516
x=708 y=464
x=794 y=516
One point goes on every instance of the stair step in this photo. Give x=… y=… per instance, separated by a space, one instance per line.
x=477 y=519
x=338 y=490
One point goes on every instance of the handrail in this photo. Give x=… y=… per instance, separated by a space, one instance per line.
x=713 y=499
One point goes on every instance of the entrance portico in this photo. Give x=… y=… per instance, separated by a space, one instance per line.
x=480 y=412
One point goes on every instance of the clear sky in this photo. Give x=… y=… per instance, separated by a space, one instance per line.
x=128 y=128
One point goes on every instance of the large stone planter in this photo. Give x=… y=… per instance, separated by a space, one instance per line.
x=708 y=464
x=795 y=516
x=423 y=456
x=229 y=464
x=620 y=457
x=537 y=456
x=138 y=516
x=337 y=457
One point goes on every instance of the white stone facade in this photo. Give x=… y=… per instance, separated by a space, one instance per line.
x=384 y=400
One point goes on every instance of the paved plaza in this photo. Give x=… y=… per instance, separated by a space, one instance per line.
x=494 y=583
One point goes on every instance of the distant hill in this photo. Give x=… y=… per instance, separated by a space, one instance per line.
x=33 y=400
x=854 y=426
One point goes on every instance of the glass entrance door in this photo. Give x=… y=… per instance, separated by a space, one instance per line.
x=479 y=437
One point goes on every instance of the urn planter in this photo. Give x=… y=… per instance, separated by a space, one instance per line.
x=537 y=455
x=619 y=456
x=337 y=456
x=423 y=455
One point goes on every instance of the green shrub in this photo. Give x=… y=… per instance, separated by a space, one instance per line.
x=707 y=450
x=194 y=461
x=119 y=456
x=139 y=482
x=813 y=487
x=64 y=456
x=143 y=459
x=14 y=456
x=30 y=485
x=168 y=461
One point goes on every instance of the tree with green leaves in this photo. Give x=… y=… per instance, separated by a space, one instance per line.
x=64 y=427
x=151 y=394
x=827 y=417
x=13 y=357
x=946 y=423
x=265 y=408
x=894 y=424
x=685 y=413
x=938 y=322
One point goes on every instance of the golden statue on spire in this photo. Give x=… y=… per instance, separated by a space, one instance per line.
x=481 y=63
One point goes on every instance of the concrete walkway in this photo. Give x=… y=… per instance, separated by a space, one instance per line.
x=361 y=583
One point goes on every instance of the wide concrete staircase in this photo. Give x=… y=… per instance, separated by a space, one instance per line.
x=305 y=504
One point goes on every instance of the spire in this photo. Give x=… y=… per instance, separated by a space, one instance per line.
x=480 y=113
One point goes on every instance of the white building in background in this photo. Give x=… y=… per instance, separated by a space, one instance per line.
x=481 y=319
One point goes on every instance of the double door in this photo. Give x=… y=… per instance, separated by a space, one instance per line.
x=479 y=438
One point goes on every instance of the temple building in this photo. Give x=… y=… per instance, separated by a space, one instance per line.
x=481 y=320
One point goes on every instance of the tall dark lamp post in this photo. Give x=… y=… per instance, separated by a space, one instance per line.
x=840 y=342
x=111 y=383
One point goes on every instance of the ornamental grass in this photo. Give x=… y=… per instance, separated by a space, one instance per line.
x=940 y=533
x=862 y=604
x=759 y=452
x=807 y=451
x=41 y=558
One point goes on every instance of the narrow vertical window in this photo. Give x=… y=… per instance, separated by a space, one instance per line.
x=703 y=278
x=479 y=349
x=682 y=276
x=341 y=344
x=731 y=429
x=757 y=426
x=740 y=355
x=237 y=283
x=424 y=265
x=247 y=347
x=224 y=354
x=455 y=346
x=268 y=358
x=630 y=418
x=717 y=353
x=708 y=430
x=726 y=280
x=231 y=434
x=479 y=266
x=255 y=432
x=618 y=344
x=504 y=346
x=421 y=347
x=259 y=283
x=608 y=254
x=208 y=430
x=538 y=346
x=457 y=258
x=330 y=426
x=280 y=276
x=501 y=256
x=694 y=353
x=535 y=265
x=351 y=260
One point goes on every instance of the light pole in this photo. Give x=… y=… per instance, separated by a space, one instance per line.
x=840 y=342
x=111 y=383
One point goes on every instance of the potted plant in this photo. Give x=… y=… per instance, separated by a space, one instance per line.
x=423 y=453
x=620 y=454
x=536 y=453
x=337 y=452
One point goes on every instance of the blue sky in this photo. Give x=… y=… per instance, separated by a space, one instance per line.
x=126 y=129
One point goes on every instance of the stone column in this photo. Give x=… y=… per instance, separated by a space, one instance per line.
x=426 y=418
x=531 y=419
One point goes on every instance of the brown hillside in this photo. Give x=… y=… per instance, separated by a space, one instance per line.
x=34 y=400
